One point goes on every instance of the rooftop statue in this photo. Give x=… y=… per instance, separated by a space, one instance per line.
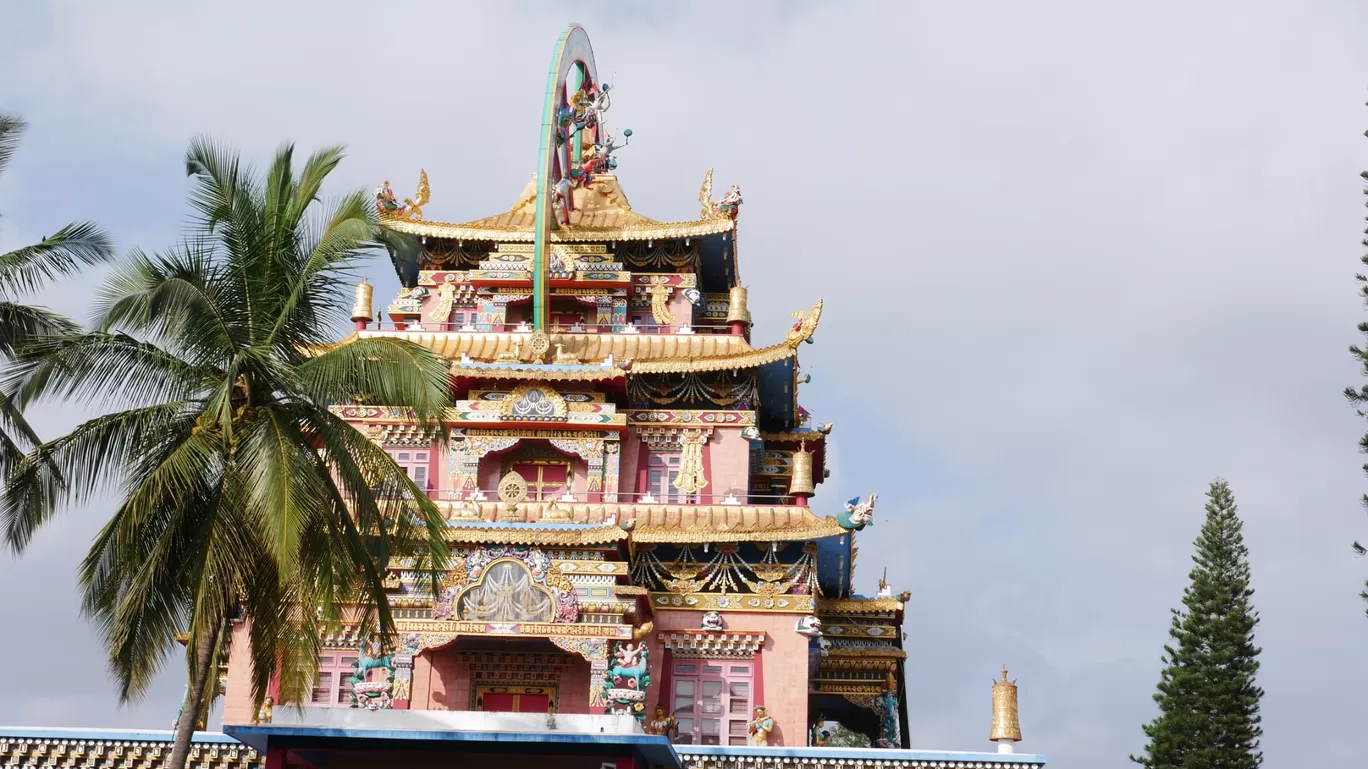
x=857 y=514
x=411 y=209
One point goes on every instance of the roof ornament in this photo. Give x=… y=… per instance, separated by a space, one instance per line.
x=411 y=209
x=857 y=514
x=803 y=330
x=729 y=207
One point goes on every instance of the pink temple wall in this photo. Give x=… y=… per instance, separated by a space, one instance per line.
x=629 y=457
x=729 y=471
x=237 y=695
x=783 y=666
x=442 y=682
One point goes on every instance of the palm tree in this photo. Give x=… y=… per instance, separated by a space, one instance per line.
x=22 y=272
x=240 y=494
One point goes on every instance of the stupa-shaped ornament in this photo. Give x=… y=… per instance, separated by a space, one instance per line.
x=1006 y=726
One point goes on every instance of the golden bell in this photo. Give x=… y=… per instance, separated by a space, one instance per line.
x=801 y=485
x=1006 y=726
x=361 y=308
x=736 y=306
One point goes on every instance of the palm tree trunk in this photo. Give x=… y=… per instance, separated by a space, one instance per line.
x=190 y=712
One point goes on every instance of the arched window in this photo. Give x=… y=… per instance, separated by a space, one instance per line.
x=506 y=592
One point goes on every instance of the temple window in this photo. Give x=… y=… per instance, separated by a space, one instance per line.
x=546 y=478
x=506 y=593
x=662 y=472
x=414 y=464
x=330 y=688
x=645 y=323
x=712 y=701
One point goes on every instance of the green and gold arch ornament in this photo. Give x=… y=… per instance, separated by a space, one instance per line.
x=572 y=121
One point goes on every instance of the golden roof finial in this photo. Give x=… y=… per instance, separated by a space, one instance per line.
x=1006 y=724
x=705 y=196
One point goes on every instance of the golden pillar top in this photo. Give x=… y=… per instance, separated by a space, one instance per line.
x=1006 y=725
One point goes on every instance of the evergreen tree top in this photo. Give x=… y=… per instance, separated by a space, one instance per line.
x=1207 y=697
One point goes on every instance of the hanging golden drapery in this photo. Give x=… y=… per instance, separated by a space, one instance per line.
x=691 y=477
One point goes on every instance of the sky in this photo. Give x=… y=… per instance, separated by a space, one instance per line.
x=1078 y=258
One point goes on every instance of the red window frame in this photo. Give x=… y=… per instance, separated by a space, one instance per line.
x=711 y=700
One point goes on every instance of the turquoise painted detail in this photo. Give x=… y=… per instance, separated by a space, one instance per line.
x=572 y=52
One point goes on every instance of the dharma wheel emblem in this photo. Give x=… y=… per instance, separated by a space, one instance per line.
x=512 y=489
x=540 y=344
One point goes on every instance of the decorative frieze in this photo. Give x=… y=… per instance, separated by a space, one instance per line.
x=712 y=644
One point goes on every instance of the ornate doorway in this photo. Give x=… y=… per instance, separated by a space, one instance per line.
x=515 y=699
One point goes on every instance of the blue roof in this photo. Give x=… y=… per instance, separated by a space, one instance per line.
x=108 y=735
x=864 y=754
x=653 y=748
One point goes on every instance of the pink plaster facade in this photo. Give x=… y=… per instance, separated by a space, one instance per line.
x=729 y=463
x=782 y=683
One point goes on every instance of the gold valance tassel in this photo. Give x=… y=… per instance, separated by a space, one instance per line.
x=691 y=478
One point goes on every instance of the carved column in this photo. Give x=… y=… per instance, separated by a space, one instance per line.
x=595 y=650
x=403 y=681
x=612 y=452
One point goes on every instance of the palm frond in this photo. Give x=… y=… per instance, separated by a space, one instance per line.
x=87 y=366
x=74 y=247
x=21 y=323
x=382 y=371
x=90 y=460
x=176 y=296
x=11 y=130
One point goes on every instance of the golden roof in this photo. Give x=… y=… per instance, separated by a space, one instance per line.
x=601 y=212
x=858 y=605
x=538 y=372
x=809 y=436
x=801 y=332
x=587 y=347
x=646 y=523
x=548 y=534
x=649 y=353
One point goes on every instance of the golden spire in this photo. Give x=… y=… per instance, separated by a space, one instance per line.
x=1006 y=726
x=361 y=308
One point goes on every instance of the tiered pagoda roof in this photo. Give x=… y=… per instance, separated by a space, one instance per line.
x=601 y=213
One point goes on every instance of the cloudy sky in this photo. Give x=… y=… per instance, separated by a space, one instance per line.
x=1079 y=259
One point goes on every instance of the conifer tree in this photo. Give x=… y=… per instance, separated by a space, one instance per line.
x=1208 y=701
x=1359 y=397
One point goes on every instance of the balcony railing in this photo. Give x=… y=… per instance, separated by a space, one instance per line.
x=711 y=327
x=604 y=497
x=624 y=498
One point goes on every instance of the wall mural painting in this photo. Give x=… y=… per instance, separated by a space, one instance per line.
x=505 y=584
